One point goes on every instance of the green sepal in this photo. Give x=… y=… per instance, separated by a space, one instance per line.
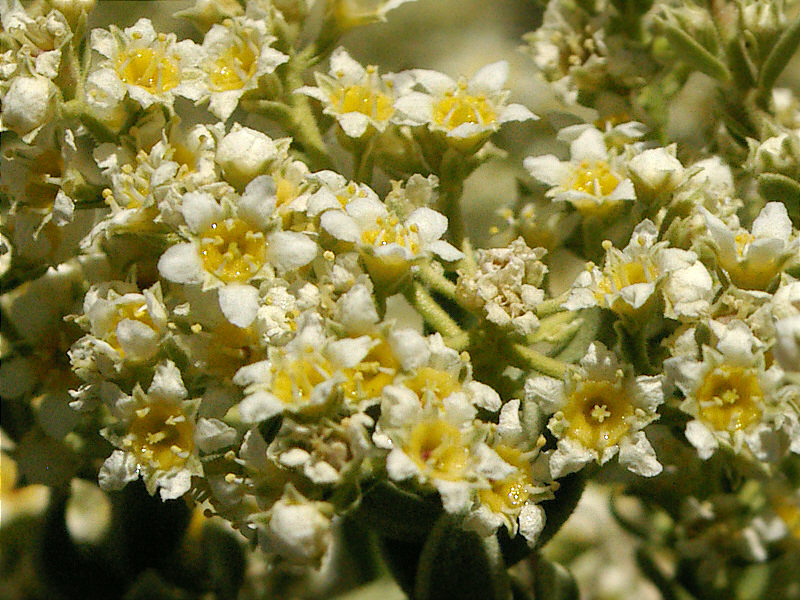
x=456 y=563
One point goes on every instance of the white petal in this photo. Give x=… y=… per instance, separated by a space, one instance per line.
x=531 y=522
x=239 y=303
x=167 y=382
x=773 y=222
x=340 y=225
x=483 y=396
x=181 y=263
x=701 y=438
x=118 y=469
x=259 y=406
x=638 y=456
x=348 y=352
x=258 y=201
x=430 y=224
x=290 y=250
x=212 y=435
x=489 y=79
x=547 y=169
x=569 y=457
x=455 y=495
x=136 y=339
x=399 y=466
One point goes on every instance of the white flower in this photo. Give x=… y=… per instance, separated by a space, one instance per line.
x=155 y=437
x=754 y=258
x=234 y=243
x=631 y=277
x=656 y=171
x=154 y=67
x=237 y=54
x=591 y=180
x=389 y=245
x=465 y=112
x=297 y=530
x=599 y=412
x=357 y=97
x=124 y=324
x=731 y=395
x=302 y=377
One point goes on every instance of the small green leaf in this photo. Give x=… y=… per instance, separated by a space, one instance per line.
x=693 y=53
x=780 y=55
x=397 y=514
x=780 y=188
x=553 y=581
x=460 y=564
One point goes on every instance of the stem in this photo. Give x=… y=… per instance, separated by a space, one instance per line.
x=548 y=307
x=538 y=361
x=363 y=159
x=303 y=124
x=437 y=281
x=437 y=317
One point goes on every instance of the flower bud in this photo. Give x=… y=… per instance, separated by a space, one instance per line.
x=28 y=104
x=244 y=154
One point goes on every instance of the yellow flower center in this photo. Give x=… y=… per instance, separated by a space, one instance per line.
x=730 y=398
x=389 y=231
x=437 y=449
x=743 y=240
x=149 y=68
x=429 y=382
x=594 y=178
x=458 y=108
x=232 y=250
x=161 y=436
x=372 y=374
x=509 y=494
x=234 y=68
x=294 y=382
x=364 y=100
x=134 y=311
x=598 y=414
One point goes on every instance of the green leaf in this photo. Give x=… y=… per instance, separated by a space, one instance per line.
x=460 y=564
x=693 y=53
x=780 y=55
x=553 y=581
x=397 y=514
x=780 y=188
x=588 y=332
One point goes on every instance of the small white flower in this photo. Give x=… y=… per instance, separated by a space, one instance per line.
x=732 y=397
x=599 y=412
x=237 y=54
x=631 y=277
x=297 y=530
x=591 y=180
x=155 y=435
x=358 y=97
x=465 y=112
x=155 y=67
x=754 y=258
x=388 y=244
x=656 y=171
x=506 y=286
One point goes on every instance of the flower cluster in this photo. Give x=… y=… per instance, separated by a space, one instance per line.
x=274 y=300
